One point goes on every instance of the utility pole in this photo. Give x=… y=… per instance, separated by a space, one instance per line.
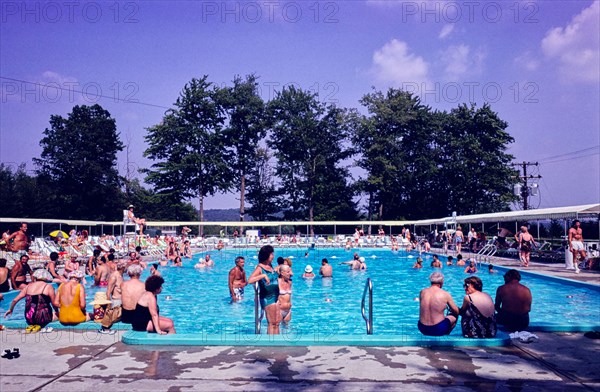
x=525 y=190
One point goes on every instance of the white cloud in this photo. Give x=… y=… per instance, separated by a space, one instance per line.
x=527 y=61
x=576 y=47
x=54 y=77
x=461 y=61
x=446 y=30
x=394 y=63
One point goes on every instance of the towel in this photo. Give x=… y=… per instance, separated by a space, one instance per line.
x=524 y=336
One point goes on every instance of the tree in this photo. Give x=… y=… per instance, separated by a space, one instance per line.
x=192 y=161
x=308 y=139
x=421 y=163
x=79 y=162
x=262 y=192
x=393 y=144
x=477 y=173
x=245 y=128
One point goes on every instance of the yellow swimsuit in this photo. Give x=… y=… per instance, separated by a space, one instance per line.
x=71 y=314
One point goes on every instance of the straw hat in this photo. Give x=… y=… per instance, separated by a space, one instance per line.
x=100 y=299
x=308 y=269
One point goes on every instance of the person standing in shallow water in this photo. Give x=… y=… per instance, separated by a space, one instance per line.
x=268 y=285
x=237 y=280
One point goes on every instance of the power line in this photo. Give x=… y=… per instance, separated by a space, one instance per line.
x=573 y=158
x=569 y=153
x=86 y=93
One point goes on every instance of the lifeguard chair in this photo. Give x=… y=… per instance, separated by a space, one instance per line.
x=128 y=224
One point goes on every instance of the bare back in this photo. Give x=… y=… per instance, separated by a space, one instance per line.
x=66 y=294
x=131 y=291
x=513 y=297
x=433 y=303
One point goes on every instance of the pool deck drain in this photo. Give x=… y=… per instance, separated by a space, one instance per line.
x=70 y=360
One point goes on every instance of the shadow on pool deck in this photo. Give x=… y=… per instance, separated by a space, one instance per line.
x=74 y=362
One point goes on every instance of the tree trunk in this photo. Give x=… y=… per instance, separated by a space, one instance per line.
x=310 y=218
x=242 y=200
x=381 y=211
x=201 y=227
x=312 y=198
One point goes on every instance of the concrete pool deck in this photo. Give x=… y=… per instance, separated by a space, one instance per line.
x=80 y=361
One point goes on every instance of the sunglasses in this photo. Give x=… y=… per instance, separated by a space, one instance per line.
x=466 y=285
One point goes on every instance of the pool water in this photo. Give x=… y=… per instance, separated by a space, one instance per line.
x=198 y=299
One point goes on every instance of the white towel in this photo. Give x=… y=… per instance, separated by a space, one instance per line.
x=524 y=336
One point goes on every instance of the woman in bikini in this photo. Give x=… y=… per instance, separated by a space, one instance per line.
x=285 y=293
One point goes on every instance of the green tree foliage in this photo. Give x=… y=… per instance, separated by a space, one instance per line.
x=308 y=139
x=188 y=146
x=245 y=128
x=394 y=142
x=79 y=162
x=22 y=195
x=422 y=164
x=262 y=192
x=476 y=167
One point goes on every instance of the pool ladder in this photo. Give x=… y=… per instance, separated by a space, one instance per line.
x=486 y=253
x=368 y=320
x=258 y=314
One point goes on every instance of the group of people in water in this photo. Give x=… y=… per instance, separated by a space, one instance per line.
x=134 y=302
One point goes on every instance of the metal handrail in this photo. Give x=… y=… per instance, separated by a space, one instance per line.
x=257 y=318
x=369 y=320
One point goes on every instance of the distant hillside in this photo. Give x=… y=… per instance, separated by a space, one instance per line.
x=229 y=215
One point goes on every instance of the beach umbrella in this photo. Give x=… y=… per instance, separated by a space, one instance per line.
x=59 y=234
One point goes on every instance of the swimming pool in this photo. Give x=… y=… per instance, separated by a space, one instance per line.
x=198 y=299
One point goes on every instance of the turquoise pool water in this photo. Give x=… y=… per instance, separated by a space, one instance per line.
x=199 y=303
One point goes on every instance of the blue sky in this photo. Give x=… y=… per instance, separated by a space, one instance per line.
x=536 y=62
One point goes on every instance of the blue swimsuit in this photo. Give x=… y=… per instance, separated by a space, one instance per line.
x=269 y=293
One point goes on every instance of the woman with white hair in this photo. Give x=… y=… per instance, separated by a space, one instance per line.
x=39 y=297
x=285 y=293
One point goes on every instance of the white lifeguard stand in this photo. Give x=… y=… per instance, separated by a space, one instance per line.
x=128 y=223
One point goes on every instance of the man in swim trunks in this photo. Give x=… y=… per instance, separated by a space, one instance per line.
x=433 y=302
x=513 y=302
x=576 y=244
x=458 y=239
x=20 y=240
x=237 y=280
x=101 y=273
x=18 y=275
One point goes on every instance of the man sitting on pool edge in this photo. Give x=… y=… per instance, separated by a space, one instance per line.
x=432 y=303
